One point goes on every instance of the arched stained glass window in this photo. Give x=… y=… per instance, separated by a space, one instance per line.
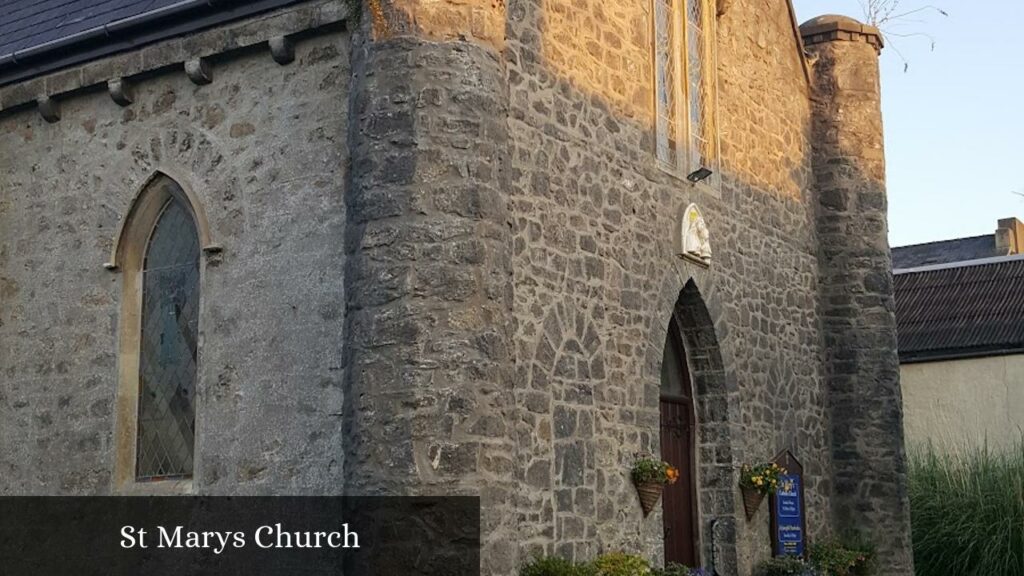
x=167 y=361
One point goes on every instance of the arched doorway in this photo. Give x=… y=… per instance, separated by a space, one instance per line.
x=678 y=434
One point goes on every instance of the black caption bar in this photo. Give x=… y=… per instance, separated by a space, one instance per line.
x=251 y=536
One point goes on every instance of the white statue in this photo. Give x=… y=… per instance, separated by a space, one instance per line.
x=696 y=240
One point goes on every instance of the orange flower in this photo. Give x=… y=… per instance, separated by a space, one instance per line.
x=672 y=474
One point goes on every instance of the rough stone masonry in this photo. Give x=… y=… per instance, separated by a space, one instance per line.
x=440 y=258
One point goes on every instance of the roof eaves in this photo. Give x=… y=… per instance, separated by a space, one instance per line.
x=129 y=33
x=945 y=354
x=959 y=264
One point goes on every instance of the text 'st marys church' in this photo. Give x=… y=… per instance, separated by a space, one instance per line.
x=499 y=248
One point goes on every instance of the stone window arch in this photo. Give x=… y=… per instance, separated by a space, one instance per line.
x=158 y=253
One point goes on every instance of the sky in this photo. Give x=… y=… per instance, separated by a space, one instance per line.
x=954 y=120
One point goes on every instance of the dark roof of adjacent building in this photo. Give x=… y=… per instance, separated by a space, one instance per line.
x=961 y=310
x=40 y=36
x=945 y=251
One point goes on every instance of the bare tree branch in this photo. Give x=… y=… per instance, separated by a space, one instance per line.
x=888 y=17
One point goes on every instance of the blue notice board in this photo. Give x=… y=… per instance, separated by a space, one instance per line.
x=789 y=516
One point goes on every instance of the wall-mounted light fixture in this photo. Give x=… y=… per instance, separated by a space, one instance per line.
x=699 y=174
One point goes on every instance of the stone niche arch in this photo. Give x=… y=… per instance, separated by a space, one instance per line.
x=715 y=399
x=143 y=209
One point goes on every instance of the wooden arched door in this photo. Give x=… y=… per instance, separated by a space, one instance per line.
x=678 y=435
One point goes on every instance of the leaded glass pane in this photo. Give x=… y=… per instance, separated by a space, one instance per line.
x=665 y=79
x=695 y=13
x=701 y=85
x=167 y=363
x=686 y=131
x=695 y=70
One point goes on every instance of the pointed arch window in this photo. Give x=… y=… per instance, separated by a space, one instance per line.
x=168 y=346
x=158 y=250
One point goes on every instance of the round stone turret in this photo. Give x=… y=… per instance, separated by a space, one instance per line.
x=868 y=456
x=428 y=315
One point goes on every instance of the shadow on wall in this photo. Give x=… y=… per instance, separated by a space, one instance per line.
x=581 y=81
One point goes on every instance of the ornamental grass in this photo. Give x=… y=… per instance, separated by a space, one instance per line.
x=967 y=511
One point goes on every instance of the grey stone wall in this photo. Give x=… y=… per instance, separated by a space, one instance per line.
x=263 y=148
x=430 y=406
x=596 y=277
x=865 y=402
x=429 y=303
x=449 y=268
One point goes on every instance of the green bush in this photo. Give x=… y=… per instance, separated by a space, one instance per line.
x=555 y=566
x=967 y=512
x=673 y=569
x=784 y=566
x=610 y=564
x=621 y=564
x=830 y=558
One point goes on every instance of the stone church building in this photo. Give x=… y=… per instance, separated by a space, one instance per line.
x=489 y=247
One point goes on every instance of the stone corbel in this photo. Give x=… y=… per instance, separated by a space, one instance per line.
x=198 y=71
x=49 y=109
x=282 y=49
x=120 y=91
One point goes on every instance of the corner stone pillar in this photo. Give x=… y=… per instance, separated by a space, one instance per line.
x=866 y=410
x=429 y=408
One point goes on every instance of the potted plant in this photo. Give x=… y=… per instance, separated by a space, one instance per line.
x=785 y=566
x=834 y=558
x=650 y=477
x=756 y=482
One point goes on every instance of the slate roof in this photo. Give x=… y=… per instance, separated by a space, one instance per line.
x=945 y=251
x=41 y=36
x=961 y=310
x=28 y=23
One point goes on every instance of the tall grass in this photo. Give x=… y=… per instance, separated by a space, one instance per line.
x=967 y=512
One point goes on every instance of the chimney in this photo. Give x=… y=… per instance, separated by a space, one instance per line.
x=1010 y=236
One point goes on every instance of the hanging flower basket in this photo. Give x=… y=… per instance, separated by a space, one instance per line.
x=650 y=477
x=756 y=482
x=751 y=501
x=650 y=494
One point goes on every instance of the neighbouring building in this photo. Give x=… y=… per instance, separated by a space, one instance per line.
x=960 y=317
x=453 y=246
